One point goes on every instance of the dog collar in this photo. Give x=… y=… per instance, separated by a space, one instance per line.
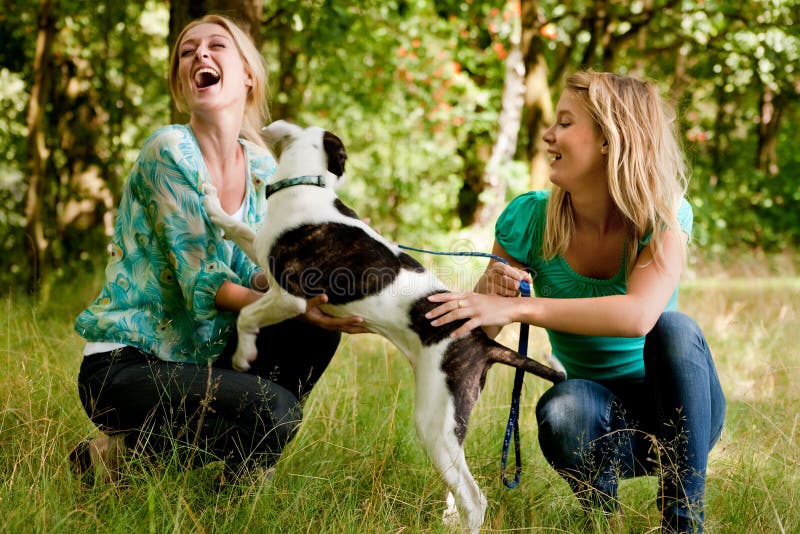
x=273 y=188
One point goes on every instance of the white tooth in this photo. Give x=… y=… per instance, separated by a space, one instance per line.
x=205 y=69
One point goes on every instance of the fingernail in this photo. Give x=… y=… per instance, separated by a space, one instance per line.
x=428 y=315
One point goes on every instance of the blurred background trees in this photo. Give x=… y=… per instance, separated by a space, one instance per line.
x=424 y=93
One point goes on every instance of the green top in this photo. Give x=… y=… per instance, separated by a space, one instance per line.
x=520 y=230
x=167 y=260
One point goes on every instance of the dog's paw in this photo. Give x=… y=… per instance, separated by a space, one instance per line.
x=241 y=364
x=212 y=204
x=241 y=361
x=450 y=518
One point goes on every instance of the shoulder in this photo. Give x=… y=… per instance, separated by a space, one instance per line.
x=172 y=135
x=524 y=207
x=520 y=227
x=172 y=143
x=170 y=154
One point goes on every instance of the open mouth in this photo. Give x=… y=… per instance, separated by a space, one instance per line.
x=554 y=156
x=206 y=77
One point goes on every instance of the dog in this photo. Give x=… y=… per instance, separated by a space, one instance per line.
x=312 y=243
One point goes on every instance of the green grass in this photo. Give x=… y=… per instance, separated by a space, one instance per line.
x=356 y=466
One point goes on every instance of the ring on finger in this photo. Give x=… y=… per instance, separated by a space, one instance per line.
x=460 y=304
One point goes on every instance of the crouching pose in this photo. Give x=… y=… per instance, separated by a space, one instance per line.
x=157 y=370
x=606 y=247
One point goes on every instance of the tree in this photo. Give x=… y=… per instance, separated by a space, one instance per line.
x=38 y=153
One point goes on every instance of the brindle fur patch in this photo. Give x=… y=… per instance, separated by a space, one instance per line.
x=429 y=334
x=465 y=364
x=308 y=260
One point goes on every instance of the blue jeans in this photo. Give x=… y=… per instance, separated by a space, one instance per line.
x=594 y=433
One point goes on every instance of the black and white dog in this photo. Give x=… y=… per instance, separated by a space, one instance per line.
x=311 y=244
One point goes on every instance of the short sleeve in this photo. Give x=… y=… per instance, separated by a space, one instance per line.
x=520 y=228
x=686 y=218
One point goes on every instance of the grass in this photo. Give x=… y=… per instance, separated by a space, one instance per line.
x=356 y=465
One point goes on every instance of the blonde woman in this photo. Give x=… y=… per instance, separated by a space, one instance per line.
x=605 y=249
x=156 y=372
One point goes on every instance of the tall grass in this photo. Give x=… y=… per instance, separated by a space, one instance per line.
x=356 y=466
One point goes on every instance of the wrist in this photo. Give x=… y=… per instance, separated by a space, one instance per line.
x=521 y=310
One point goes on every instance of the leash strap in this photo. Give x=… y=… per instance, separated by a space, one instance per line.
x=472 y=254
x=512 y=427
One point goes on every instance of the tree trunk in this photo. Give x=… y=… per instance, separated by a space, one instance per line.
x=768 y=126
x=493 y=190
x=538 y=101
x=37 y=151
x=246 y=13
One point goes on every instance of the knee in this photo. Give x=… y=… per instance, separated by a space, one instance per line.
x=272 y=419
x=675 y=326
x=569 y=416
x=675 y=336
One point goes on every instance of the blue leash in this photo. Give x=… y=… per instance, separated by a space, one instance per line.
x=512 y=427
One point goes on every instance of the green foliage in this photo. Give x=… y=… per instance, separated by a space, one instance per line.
x=413 y=87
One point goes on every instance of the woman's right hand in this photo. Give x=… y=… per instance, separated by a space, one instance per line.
x=313 y=315
x=501 y=279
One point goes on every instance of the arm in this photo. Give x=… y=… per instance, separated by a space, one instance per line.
x=630 y=315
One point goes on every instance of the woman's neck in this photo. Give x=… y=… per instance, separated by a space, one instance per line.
x=595 y=214
x=219 y=144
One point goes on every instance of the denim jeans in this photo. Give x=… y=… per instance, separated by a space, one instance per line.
x=209 y=412
x=594 y=433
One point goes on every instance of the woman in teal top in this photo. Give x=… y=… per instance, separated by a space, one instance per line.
x=157 y=366
x=604 y=250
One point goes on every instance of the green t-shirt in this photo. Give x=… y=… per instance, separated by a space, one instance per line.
x=520 y=230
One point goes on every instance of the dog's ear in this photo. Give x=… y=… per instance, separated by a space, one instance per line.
x=277 y=134
x=336 y=153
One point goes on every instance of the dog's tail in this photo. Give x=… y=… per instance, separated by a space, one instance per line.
x=499 y=354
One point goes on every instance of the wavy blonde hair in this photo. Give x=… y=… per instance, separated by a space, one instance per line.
x=647 y=171
x=256 y=112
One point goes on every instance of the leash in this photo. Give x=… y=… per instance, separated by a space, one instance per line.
x=512 y=427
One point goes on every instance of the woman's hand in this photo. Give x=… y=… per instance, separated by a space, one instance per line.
x=478 y=309
x=501 y=279
x=313 y=315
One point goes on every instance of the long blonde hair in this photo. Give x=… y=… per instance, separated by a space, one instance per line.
x=647 y=171
x=255 y=111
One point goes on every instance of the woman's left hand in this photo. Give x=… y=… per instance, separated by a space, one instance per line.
x=348 y=325
x=478 y=309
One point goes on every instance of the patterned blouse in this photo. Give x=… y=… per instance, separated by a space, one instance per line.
x=167 y=260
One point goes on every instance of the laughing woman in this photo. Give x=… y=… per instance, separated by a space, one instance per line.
x=156 y=372
x=607 y=246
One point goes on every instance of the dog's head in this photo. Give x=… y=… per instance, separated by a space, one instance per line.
x=305 y=151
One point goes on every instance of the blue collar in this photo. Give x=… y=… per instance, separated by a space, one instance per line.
x=319 y=181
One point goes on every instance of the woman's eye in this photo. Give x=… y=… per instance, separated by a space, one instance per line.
x=186 y=52
x=563 y=124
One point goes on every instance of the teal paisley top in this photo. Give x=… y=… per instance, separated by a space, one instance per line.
x=167 y=260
